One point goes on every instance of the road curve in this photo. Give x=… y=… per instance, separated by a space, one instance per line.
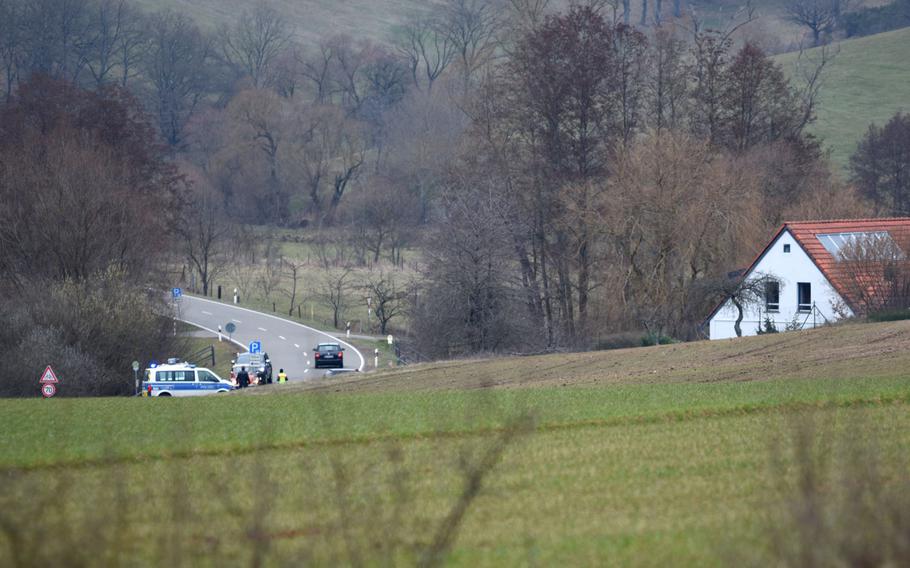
x=289 y=344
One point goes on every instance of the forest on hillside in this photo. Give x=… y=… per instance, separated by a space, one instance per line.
x=504 y=178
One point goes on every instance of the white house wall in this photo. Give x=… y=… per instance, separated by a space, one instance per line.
x=789 y=268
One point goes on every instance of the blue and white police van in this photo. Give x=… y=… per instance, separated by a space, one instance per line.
x=182 y=379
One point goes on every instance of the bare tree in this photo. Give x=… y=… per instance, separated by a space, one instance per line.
x=383 y=211
x=132 y=43
x=744 y=293
x=334 y=290
x=204 y=233
x=329 y=151
x=292 y=270
x=667 y=82
x=388 y=299
x=54 y=30
x=473 y=300
x=12 y=44
x=525 y=15
x=875 y=271
x=317 y=68
x=471 y=27
x=820 y=16
x=100 y=48
x=261 y=118
x=87 y=164
x=428 y=49
x=176 y=66
x=242 y=274
x=662 y=247
x=255 y=42
x=269 y=278
x=881 y=166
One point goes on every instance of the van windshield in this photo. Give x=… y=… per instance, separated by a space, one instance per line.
x=207 y=377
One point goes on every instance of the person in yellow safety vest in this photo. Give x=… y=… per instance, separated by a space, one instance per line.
x=282 y=376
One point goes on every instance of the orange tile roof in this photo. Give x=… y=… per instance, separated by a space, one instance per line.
x=806 y=234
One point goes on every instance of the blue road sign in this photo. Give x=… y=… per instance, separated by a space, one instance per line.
x=255 y=347
x=177 y=292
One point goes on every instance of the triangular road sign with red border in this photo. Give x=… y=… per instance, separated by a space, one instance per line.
x=49 y=376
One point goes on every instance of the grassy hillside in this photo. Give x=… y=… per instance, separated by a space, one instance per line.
x=867 y=82
x=680 y=454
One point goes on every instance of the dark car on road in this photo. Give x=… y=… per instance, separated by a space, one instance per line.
x=328 y=355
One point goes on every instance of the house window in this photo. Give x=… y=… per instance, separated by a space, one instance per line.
x=772 y=296
x=804 y=296
x=786 y=248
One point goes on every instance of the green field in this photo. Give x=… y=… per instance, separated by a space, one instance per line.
x=636 y=470
x=866 y=83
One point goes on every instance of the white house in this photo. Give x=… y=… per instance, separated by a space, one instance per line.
x=805 y=287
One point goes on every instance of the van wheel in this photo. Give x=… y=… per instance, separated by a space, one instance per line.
x=164 y=394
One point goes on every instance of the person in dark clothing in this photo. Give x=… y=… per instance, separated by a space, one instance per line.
x=243 y=378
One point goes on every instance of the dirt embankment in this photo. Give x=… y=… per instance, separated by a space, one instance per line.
x=843 y=351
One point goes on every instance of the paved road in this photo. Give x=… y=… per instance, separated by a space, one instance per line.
x=289 y=344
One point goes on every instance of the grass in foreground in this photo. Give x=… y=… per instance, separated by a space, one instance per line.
x=695 y=492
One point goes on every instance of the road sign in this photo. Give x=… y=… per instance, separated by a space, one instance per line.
x=390 y=339
x=177 y=292
x=230 y=328
x=255 y=347
x=48 y=376
x=48 y=390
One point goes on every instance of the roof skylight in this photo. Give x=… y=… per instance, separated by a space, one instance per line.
x=877 y=242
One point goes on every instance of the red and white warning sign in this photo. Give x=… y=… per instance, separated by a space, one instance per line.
x=48 y=377
x=48 y=390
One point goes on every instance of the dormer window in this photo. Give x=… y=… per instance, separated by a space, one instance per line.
x=786 y=248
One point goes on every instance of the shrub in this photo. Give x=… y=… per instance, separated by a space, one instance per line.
x=889 y=315
x=649 y=340
x=618 y=341
x=89 y=330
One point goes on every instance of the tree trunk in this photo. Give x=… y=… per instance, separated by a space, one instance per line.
x=739 y=318
x=627 y=12
x=644 y=12
x=677 y=8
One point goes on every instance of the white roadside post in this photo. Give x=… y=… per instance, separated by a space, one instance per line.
x=376 y=358
x=369 y=311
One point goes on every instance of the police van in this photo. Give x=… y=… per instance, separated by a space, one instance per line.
x=182 y=379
